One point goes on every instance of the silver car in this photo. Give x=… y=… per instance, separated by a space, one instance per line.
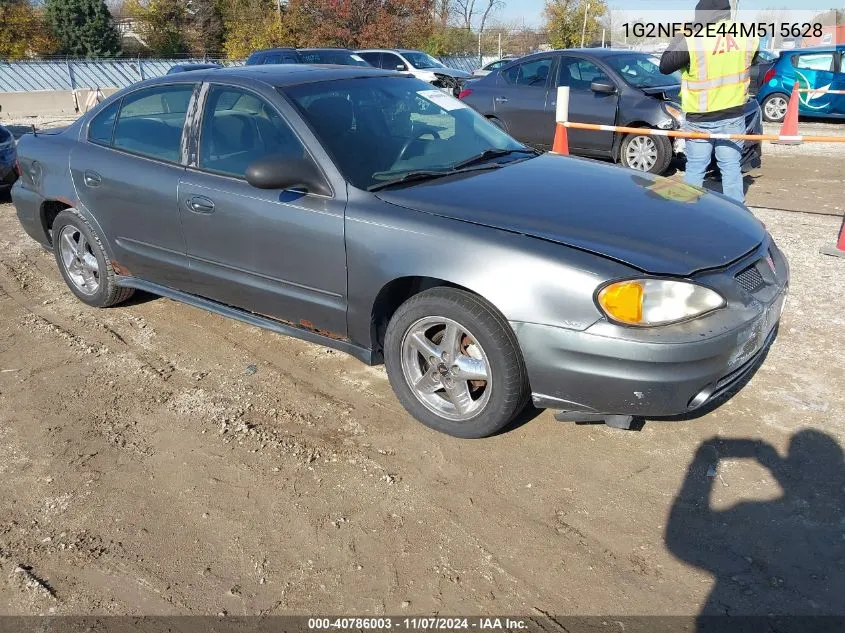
x=369 y=212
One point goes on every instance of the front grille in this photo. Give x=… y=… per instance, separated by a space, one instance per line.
x=750 y=279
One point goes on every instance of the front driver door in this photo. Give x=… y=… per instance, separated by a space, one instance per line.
x=276 y=253
x=586 y=106
x=520 y=101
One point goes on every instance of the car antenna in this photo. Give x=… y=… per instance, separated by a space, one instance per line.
x=34 y=131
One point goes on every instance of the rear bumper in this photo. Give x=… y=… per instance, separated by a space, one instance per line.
x=585 y=372
x=28 y=207
x=8 y=176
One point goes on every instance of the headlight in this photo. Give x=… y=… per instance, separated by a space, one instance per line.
x=649 y=302
x=675 y=113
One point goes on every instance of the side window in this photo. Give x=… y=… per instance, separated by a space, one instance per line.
x=101 y=128
x=151 y=121
x=389 y=61
x=578 y=74
x=238 y=128
x=531 y=73
x=373 y=59
x=273 y=58
x=818 y=61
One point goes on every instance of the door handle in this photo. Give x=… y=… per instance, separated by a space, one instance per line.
x=200 y=204
x=92 y=178
x=501 y=99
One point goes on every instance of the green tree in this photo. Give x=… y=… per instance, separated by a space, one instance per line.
x=23 y=31
x=83 y=28
x=163 y=25
x=565 y=21
x=205 y=28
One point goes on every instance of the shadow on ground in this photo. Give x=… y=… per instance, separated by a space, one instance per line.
x=784 y=557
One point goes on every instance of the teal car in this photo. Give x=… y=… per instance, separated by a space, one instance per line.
x=818 y=69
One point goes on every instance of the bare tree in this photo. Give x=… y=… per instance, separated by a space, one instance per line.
x=467 y=10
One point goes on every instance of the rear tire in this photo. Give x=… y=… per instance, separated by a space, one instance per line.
x=649 y=154
x=82 y=260
x=455 y=364
x=774 y=107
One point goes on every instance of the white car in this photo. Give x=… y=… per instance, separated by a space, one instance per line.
x=495 y=65
x=421 y=65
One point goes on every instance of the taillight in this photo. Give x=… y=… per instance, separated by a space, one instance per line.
x=769 y=75
x=465 y=93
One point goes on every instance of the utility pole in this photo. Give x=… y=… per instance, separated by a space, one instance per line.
x=500 y=45
x=584 y=30
x=480 y=58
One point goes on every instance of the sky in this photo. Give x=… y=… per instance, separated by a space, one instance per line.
x=532 y=10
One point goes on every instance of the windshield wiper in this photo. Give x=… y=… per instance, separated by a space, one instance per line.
x=418 y=176
x=489 y=154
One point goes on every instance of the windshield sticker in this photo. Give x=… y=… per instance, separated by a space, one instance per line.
x=445 y=101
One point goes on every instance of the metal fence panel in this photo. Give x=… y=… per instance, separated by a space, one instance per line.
x=30 y=76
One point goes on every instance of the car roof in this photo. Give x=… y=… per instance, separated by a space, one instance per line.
x=389 y=50
x=814 y=49
x=283 y=75
x=325 y=48
x=284 y=49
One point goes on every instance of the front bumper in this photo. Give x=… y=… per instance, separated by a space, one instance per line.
x=611 y=370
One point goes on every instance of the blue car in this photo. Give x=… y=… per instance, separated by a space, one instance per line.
x=819 y=69
x=8 y=160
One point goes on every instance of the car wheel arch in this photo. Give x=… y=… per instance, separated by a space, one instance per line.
x=619 y=138
x=396 y=292
x=50 y=209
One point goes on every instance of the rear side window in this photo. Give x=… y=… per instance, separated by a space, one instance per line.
x=101 y=127
x=817 y=61
x=239 y=128
x=150 y=122
x=531 y=73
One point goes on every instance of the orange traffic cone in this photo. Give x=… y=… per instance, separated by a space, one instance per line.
x=838 y=250
x=561 y=142
x=790 y=121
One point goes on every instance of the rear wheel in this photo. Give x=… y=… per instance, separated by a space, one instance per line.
x=83 y=262
x=651 y=154
x=455 y=364
x=774 y=107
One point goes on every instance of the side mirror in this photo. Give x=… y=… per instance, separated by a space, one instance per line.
x=401 y=67
x=603 y=87
x=285 y=172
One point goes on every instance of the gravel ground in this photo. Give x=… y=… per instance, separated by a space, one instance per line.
x=157 y=459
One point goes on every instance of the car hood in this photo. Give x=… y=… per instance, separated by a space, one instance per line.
x=658 y=225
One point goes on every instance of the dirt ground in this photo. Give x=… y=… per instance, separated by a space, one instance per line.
x=157 y=459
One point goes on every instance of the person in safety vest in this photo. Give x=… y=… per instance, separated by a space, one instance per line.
x=715 y=63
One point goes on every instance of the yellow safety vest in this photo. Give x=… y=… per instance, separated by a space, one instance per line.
x=719 y=72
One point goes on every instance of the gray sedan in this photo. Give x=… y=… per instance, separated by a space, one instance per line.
x=368 y=211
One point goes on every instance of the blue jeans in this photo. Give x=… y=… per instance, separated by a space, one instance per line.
x=728 y=155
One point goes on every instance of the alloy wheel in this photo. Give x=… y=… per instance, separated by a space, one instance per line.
x=79 y=260
x=446 y=368
x=776 y=108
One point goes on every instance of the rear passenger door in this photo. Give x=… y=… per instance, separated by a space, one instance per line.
x=126 y=171
x=277 y=253
x=519 y=101
x=372 y=58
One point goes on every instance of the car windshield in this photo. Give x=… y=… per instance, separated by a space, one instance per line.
x=642 y=71
x=421 y=60
x=378 y=129
x=343 y=58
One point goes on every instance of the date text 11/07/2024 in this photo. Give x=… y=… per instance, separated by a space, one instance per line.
x=416 y=624
x=760 y=30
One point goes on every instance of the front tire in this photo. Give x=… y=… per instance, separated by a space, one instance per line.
x=82 y=260
x=775 y=107
x=650 y=154
x=455 y=364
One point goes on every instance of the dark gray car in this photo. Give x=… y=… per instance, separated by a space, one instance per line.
x=607 y=87
x=370 y=212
